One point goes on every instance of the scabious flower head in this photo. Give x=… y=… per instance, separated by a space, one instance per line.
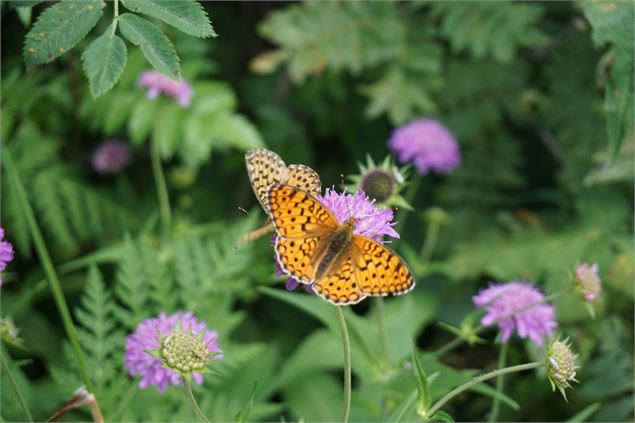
x=381 y=183
x=6 y=253
x=157 y=83
x=561 y=366
x=370 y=221
x=111 y=156
x=502 y=303
x=587 y=282
x=173 y=333
x=427 y=144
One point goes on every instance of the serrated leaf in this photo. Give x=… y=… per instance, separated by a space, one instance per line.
x=155 y=46
x=59 y=28
x=104 y=61
x=186 y=15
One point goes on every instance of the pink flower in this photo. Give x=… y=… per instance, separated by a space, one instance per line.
x=428 y=144
x=501 y=303
x=6 y=253
x=147 y=337
x=588 y=282
x=371 y=221
x=158 y=83
x=111 y=156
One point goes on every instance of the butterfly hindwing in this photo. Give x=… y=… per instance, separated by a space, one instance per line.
x=340 y=287
x=380 y=271
x=303 y=177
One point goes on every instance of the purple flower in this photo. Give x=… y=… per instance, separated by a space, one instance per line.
x=371 y=221
x=147 y=336
x=501 y=301
x=158 y=83
x=111 y=156
x=428 y=144
x=6 y=253
x=588 y=282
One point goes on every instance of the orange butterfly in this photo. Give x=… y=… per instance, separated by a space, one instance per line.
x=265 y=168
x=314 y=248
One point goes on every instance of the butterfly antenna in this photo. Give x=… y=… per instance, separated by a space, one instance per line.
x=243 y=210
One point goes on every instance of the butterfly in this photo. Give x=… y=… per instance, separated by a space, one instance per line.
x=314 y=248
x=266 y=168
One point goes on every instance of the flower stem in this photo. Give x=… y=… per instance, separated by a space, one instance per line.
x=347 y=364
x=475 y=381
x=500 y=383
x=190 y=399
x=432 y=234
x=15 y=386
x=162 y=189
x=49 y=270
x=116 y=9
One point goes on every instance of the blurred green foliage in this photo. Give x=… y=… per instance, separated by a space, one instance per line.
x=539 y=96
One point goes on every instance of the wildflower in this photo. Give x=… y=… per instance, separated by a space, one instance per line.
x=371 y=221
x=111 y=156
x=428 y=144
x=517 y=306
x=158 y=83
x=587 y=282
x=9 y=333
x=561 y=366
x=179 y=336
x=6 y=253
x=381 y=183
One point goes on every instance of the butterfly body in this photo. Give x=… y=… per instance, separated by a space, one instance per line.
x=314 y=248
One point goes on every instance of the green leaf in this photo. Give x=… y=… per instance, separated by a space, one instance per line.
x=104 y=61
x=406 y=406
x=141 y=120
x=187 y=15
x=313 y=305
x=59 y=28
x=168 y=128
x=155 y=46
x=442 y=416
x=583 y=416
x=243 y=413
x=236 y=131
x=423 y=386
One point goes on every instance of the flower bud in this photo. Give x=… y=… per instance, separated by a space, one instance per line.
x=587 y=282
x=184 y=352
x=561 y=366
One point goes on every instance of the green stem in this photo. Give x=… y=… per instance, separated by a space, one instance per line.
x=15 y=386
x=429 y=243
x=190 y=399
x=347 y=364
x=495 y=373
x=381 y=321
x=162 y=189
x=116 y=9
x=49 y=270
x=459 y=340
x=500 y=383
x=411 y=193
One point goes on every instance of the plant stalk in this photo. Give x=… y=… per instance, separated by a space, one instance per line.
x=495 y=373
x=500 y=383
x=347 y=364
x=15 y=387
x=192 y=401
x=49 y=270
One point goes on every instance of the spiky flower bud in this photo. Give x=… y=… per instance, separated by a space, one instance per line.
x=561 y=366
x=184 y=352
x=378 y=184
x=381 y=182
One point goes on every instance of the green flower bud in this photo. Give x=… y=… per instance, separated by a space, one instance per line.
x=561 y=366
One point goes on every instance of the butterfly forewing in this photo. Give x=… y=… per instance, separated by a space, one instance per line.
x=264 y=168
